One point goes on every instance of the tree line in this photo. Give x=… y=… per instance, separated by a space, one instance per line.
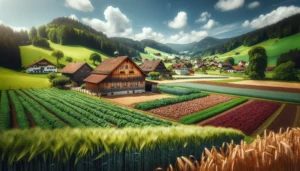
x=281 y=29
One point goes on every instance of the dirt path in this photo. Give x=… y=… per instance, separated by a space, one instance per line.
x=46 y=109
x=285 y=119
x=14 y=122
x=31 y=121
x=270 y=84
x=233 y=85
x=223 y=113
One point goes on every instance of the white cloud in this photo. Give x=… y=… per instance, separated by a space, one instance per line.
x=183 y=38
x=73 y=16
x=116 y=24
x=147 y=33
x=272 y=17
x=203 y=17
x=253 y=5
x=180 y=21
x=80 y=5
x=228 y=5
x=210 y=24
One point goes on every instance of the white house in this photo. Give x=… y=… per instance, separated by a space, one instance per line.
x=181 y=69
x=41 y=66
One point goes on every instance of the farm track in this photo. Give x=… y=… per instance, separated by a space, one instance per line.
x=285 y=119
x=46 y=109
x=31 y=121
x=14 y=122
x=255 y=87
x=223 y=113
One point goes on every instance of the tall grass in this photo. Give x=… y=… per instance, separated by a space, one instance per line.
x=272 y=152
x=140 y=148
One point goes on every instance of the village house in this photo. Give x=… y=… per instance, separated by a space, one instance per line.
x=116 y=76
x=41 y=66
x=200 y=65
x=224 y=65
x=77 y=71
x=155 y=66
x=234 y=69
x=180 y=69
x=242 y=63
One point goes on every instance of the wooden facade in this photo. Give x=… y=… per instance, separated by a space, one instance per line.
x=124 y=77
x=77 y=72
x=155 y=66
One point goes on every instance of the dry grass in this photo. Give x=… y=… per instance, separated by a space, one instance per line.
x=272 y=152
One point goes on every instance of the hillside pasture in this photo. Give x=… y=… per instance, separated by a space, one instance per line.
x=16 y=80
x=30 y=53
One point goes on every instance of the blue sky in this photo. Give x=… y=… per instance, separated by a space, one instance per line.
x=172 y=21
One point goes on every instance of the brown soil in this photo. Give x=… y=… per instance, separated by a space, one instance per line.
x=268 y=88
x=14 y=122
x=269 y=83
x=223 y=113
x=285 y=119
x=31 y=122
x=47 y=109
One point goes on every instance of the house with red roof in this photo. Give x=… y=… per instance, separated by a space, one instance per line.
x=41 y=66
x=77 y=71
x=116 y=76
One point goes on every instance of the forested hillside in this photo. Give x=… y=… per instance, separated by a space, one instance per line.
x=9 y=47
x=130 y=43
x=159 y=46
x=66 y=31
x=284 y=28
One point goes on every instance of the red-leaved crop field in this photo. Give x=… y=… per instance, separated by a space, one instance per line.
x=246 y=118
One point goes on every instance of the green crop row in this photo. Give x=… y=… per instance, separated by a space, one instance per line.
x=4 y=111
x=40 y=115
x=22 y=119
x=177 y=90
x=114 y=114
x=210 y=112
x=168 y=101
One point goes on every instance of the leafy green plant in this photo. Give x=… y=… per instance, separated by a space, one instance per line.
x=22 y=119
x=177 y=90
x=4 y=111
x=168 y=101
x=210 y=112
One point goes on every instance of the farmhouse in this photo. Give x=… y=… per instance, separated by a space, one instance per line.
x=41 y=66
x=155 y=66
x=77 y=71
x=200 y=65
x=236 y=69
x=224 y=65
x=116 y=76
x=180 y=69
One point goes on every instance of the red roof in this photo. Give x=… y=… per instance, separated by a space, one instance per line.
x=40 y=61
x=238 y=68
x=178 y=66
x=95 y=78
x=73 y=67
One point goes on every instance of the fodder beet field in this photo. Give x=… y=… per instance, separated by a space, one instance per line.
x=53 y=108
x=246 y=118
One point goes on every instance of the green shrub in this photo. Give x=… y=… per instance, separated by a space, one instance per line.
x=210 y=112
x=154 y=75
x=61 y=81
x=51 y=76
x=82 y=86
x=286 y=71
x=168 y=101
x=177 y=90
x=4 y=111
x=41 y=42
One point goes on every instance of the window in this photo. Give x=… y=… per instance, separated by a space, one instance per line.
x=126 y=67
x=118 y=84
x=121 y=67
x=131 y=67
x=112 y=84
x=125 y=84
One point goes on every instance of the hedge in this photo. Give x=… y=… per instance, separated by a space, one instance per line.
x=210 y=112
x=177 y=90
x=168 y=101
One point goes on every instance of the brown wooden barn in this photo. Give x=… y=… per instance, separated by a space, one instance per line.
x=77 y=71
x=155 y=66
x=116 y=76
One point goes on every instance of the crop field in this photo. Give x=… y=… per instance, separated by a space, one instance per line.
x=246 y=118
x=179 y=110
x=53 y=108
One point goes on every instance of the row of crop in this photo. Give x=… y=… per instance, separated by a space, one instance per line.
x=246 y=118
x=40 y=115
x=168 y=101
x=22 y=119
x=5 y=120
x=63 y=115
x=133 y=149
x=210 y=112
x=176 y=90
x=81 y=117
x=112 y=113
x=264 y=94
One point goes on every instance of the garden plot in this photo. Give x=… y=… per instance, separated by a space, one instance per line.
x=179 y=110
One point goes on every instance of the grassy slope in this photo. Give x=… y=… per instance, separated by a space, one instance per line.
x=274 y=49
x=30 y=54
x=150 y=55
x=15 y=80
